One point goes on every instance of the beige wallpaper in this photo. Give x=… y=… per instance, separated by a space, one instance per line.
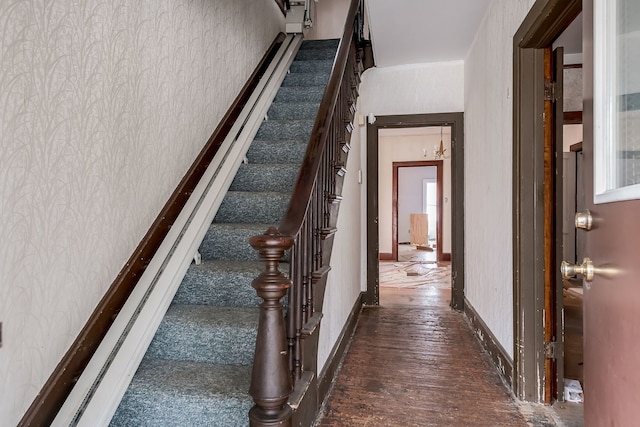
x=488 y=139
x=104 y=104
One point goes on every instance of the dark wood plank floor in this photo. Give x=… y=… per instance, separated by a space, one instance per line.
x=414 y=362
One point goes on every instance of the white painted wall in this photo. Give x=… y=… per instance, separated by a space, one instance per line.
x=330 y=19
x=414 y=89
x=347 y=276
x=411 y=197
x=404 y=148
x=488 y=162
x=571 y=134
x=104 y=104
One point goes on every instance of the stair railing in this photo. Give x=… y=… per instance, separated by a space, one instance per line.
x=286 y=348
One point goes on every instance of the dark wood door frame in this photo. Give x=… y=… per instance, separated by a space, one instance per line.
x=456 y=122
x=438 y=164
x=546 y=20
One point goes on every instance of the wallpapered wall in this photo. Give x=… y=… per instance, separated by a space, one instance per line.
x=104 y=104
x=488 y=161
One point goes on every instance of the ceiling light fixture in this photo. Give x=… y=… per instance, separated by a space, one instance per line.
x=439 y=150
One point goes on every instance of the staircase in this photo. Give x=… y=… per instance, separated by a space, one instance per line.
x=197 y=370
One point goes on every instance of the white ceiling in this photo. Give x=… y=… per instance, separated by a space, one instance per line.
x=420 y=31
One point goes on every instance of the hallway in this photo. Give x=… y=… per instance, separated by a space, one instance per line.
x=415 y=362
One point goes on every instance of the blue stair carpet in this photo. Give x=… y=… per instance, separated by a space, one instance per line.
x=197 y=369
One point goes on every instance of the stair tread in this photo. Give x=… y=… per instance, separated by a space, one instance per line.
x=203 y=333
x=207 y=316
x=192 y=378
x=222 y=283
x=230 y=265
x=178 y=393
x=233 y=266
x=258 y=228
x=253 y=206
x=320 y=43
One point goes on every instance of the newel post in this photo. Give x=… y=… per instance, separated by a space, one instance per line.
x=270 y=380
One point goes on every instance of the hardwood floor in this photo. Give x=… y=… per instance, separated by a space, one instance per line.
x=415 y=362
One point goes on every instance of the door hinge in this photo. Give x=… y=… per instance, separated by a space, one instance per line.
x=550 y=350
x=550 y=91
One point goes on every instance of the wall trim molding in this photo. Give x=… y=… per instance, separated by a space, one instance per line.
x=339 y=351
x=446 y=256
x=386 y=256
x=497 y=353
x=544 y=22
x=60 y=383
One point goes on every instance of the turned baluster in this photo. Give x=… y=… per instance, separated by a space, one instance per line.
x=270 y=380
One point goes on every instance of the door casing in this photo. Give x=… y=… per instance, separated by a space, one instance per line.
x=546 y=20
x=456 y=122
x=438 y=164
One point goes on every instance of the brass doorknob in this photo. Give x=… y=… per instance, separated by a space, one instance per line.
x=585 y=269
x=584 y=220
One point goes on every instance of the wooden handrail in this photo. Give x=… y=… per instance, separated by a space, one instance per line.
x=306 y=232
x=301 y=196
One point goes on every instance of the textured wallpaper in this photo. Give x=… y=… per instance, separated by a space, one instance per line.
x=104 y=104
x=488 y=162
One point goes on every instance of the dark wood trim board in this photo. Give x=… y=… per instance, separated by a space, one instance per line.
x=498 y=355
x=456 y=122
x=544 y=22
x=439 y=165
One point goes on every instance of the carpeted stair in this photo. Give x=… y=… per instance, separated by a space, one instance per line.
x=197 y=369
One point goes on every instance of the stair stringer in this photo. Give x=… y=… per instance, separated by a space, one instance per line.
x=98 y=391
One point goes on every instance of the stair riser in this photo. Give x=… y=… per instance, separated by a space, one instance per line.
x=262 y=152
x=311 y=67
x=223 y=284
x=293 y=111
x=314 y=54
x=228 y=243
x=306 y=79
x=196 y=338
x=280 y=178
x=228 y=346
x=222 y=289
x=282 y=129
x=320 y=44
x=300 y=94
x=252 y=207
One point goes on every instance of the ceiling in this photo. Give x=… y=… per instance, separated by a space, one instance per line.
x=420 y=31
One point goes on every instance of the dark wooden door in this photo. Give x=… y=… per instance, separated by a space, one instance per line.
x=612 y=298
x=553 y=218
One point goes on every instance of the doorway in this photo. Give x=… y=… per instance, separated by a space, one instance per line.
x=454 y=121
x=538 y=205
x=417 y=211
